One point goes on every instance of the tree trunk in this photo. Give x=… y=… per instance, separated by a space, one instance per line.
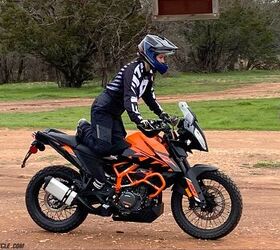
x=66 y=78
x=70 y=80
x=6 y=71
x=20 y=69
x=104 y=73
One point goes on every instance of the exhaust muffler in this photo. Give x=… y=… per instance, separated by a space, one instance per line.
x=59 y=190
x=66 y=194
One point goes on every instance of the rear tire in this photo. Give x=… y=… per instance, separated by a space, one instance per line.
x=183 y=213
x=50 y=218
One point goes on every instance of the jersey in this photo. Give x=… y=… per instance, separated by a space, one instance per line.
x=130 y=84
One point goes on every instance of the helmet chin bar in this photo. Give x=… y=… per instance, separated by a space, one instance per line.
x=161 y=67
x=156 y=66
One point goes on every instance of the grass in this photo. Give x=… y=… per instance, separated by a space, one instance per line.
x=45 y=90
x=195 y=83
x=267 y=164
x=253 y=114
x=179 y=83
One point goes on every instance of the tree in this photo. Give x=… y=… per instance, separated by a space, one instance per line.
x=72 y=35
x=243 y=31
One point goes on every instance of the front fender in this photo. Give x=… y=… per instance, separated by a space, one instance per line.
x=198 y=169
x=193 y=172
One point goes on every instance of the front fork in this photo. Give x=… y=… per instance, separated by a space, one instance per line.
x=190 y=184
x=193 y=189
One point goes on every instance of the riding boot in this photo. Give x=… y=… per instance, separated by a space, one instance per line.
x=83 y=128
x=101 y=188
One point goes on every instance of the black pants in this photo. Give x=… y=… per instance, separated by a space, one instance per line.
x=106 y=134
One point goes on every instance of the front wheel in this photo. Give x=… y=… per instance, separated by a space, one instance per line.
x=222 y=212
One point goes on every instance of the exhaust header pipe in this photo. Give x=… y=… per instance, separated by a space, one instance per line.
x=59 y=190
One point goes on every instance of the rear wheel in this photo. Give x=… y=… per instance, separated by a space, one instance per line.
x=222 y=213
x=46 y=210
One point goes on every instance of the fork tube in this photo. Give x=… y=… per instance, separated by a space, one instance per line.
x=192 y=177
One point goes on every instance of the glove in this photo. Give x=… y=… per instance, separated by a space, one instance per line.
x=147 y=128
x=145 y=124
x=165 y=117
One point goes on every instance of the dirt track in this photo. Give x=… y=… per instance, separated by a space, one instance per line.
x=234 y=152
x=262 y=90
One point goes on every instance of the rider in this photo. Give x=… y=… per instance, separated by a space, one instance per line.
x=105 y=136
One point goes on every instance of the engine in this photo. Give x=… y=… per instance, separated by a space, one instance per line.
x=132 y=199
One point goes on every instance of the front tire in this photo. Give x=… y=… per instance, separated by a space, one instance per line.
x=223 y=211
x=47 y=211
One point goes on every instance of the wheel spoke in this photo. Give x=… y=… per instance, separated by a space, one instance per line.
x=65 y=212
x=53 y=208
x=218 y=207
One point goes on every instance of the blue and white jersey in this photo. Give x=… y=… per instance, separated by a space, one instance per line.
x=131 y=83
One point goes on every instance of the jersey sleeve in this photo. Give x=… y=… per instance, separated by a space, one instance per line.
x=131 y=82
x=150 y=99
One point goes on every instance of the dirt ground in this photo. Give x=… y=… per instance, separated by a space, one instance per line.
x=234 y=152
x=261 y=90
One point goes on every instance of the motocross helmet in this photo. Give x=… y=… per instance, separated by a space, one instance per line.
x=153 y=45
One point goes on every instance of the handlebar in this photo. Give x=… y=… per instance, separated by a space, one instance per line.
x=156 y=126
x=173 y=120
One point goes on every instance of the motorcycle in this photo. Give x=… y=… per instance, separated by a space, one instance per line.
x=205 y=202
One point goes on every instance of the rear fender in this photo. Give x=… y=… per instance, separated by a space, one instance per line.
x=181 y=185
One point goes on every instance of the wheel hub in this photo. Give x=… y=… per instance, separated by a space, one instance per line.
x=53 y=204
x=214 y=204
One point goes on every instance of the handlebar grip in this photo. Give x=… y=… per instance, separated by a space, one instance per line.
x=148 y=132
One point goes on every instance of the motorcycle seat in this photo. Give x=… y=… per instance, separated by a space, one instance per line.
x=69 y=140
x=89 y=152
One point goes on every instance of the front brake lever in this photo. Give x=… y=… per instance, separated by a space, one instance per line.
x=174 y=121
x=170 y=125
